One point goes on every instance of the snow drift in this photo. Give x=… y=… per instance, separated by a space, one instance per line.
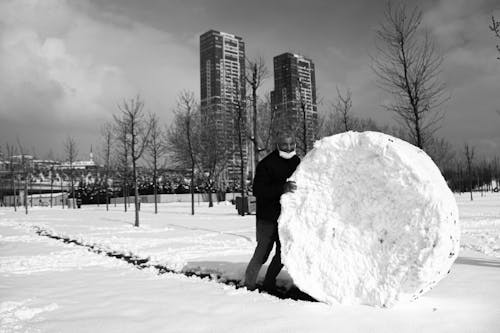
x=372 y=221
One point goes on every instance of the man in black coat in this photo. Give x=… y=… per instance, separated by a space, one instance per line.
x=269 y=184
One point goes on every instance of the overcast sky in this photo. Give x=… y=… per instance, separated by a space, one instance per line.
x=64 y=65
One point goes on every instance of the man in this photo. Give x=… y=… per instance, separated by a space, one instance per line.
x=269 y=184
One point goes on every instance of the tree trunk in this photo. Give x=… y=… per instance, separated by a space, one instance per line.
x=242 y=163
x=31 y=190
x=192 y=189
x=242 y=184
x=480 y=184
x=255 y=137
x=98 y=194
x=72 y=188
x=62 y=192
x=107 y=190
x=14 y=191
x=26 y=192
x=51 y=188
x=420 y=143
x=210 y=201
x=470 y=184
x=134 y=173
x=125 y=194
x=136 y=192
x=154 y=185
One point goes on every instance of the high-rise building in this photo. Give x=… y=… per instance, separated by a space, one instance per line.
x=222 y=76
x=294 y=98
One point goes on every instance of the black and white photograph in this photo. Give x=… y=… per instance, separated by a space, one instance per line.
x=249 y=166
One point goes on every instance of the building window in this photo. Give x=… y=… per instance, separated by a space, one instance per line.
x=208 y=78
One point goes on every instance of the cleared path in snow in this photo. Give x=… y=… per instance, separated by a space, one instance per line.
x=144 y=263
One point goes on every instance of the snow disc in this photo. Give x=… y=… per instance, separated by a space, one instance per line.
x=372 y=221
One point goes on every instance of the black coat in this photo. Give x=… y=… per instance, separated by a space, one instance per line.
x=270 y=176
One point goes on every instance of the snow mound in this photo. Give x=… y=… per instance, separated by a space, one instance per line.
x=372 y=221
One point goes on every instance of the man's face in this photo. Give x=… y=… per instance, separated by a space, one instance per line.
x=286 y=144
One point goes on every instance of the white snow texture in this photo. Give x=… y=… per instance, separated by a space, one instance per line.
x=372 y=221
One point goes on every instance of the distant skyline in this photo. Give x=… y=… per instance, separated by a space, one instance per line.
x=66 y=64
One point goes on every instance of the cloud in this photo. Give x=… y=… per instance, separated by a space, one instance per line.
x=65 y=64
x=470 y=70
x=64 y=69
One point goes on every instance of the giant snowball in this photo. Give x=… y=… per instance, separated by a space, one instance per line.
x=372 y=221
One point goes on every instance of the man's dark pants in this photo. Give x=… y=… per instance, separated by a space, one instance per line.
x=267 y=236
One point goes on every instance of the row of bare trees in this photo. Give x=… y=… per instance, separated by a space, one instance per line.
x=468 y=173
x=407 y=66
x=21 y=171
x=196 y=140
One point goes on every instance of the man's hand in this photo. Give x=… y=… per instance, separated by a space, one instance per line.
x=290 y=186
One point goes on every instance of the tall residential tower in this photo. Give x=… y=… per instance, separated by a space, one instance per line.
x=222 y=81
x=294 y=98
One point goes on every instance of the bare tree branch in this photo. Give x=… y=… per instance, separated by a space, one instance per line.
x=495 y=27
x=408 y=68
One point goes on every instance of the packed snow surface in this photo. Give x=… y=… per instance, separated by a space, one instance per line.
x=50 y=286
x=372 y=221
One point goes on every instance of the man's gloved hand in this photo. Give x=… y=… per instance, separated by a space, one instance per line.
x=290 y=186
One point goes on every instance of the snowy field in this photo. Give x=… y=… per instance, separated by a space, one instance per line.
x=47 y=285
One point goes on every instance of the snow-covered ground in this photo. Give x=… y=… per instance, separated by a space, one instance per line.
x=47 y=285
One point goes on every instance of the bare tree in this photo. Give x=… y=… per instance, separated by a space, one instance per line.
x=240 y=123
x=60 y=173
x=25 y=170
x=469 y=158
x=107 y=145
x=156 y=149
x=138 y=131
x=51 y=184
x=302 y=142
x=215 y=154
x=408 y=68
x=255 y=75
x=71 y=150
x=183 y=137
x=266 y=122
x=495 y=27
x=11 y=151
x=343 y=106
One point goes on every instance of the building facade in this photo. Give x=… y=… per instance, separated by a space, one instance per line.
x=294 y=99
x=222 y=97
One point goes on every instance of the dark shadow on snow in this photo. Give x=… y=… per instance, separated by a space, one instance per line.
x=141 y=263
x=478 y=262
